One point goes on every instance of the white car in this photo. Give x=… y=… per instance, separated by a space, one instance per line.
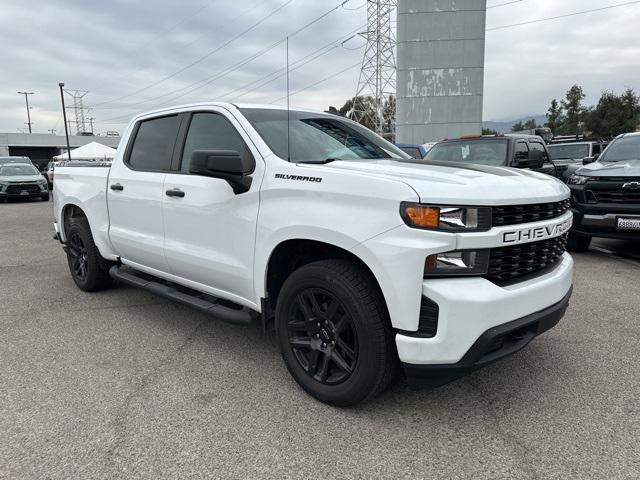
x=364 y=259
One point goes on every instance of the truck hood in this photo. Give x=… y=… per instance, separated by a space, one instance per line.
x=463 y=184
x=20 y=178
x=628 y=168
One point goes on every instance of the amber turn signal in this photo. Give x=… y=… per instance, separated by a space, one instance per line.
x=421 y=216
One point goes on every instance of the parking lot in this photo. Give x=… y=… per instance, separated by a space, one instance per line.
x=123 y=384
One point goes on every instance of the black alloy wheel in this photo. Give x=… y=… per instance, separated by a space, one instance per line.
x=88 y=269
x=322 y=336
x=334 y=332
x=79 y=255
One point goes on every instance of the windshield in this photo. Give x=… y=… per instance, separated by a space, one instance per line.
x=484 y=152
x=17 y=170
x=6 y=160
x=318 y=137
x=622 y=149
x=572 y=151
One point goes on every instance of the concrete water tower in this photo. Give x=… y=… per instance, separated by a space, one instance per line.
x=440 y=69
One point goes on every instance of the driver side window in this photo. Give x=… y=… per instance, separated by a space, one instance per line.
x=211 y=131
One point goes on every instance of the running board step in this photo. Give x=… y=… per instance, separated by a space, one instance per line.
x=199 y=301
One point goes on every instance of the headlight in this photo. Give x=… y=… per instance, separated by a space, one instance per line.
x=577 y=180
x=446 y=218
x=464 y=262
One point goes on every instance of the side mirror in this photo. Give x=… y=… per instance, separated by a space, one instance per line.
x=535 y=159
x=588 y=160
x=228 y=165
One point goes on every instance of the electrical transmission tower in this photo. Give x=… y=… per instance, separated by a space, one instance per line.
x=374 y=102
x=78 y=109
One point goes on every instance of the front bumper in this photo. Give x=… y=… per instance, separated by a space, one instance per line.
x=494 y=344
x=469 y=307
x=600 y=224
x=38 y=193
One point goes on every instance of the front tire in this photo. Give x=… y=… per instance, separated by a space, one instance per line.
x=334 y=333
x=88 y=269
x=578 y=243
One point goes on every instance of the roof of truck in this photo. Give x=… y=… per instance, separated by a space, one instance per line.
x=228 y=106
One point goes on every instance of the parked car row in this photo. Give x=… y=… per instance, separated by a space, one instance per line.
x=604 y=178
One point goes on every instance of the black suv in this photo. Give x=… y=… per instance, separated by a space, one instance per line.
x=605 y=194
x=510 y=150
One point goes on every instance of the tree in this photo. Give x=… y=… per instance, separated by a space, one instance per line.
x=554 y=116
x=367 y=104
x=489 y=131
x=614 y=114
x=527 y=125
x=516 y=127
x=574 y=111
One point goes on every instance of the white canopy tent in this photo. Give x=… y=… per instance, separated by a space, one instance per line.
x=90 y=151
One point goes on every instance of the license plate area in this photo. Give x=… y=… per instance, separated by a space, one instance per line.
x=628 y=223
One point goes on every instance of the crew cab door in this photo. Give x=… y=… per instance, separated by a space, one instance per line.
x=210 y=231
x=135 y=192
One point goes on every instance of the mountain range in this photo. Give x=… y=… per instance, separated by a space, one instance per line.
x=505 y=126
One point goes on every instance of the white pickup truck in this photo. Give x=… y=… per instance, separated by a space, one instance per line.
x=365 y=259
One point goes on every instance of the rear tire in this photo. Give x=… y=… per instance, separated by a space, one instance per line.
x=334 y=333
x=578 y=243
x=89 y=270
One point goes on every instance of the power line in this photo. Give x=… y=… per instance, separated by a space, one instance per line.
x=563 y=16
x=319 y=82
x=504 y=4
x=209 y=80
x=242 y=14
x=203 y=57
x=297 y=65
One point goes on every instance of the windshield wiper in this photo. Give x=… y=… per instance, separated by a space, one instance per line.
x=319 y=162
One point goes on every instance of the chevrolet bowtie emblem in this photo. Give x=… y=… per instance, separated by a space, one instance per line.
x=631 y=185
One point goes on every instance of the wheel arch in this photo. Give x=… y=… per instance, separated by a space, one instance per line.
x=67 y=212
x=291 y=254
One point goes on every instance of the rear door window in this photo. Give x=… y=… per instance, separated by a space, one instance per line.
x=153 y=144
x=521 y=150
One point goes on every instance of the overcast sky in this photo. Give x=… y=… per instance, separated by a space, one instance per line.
x=132 y=56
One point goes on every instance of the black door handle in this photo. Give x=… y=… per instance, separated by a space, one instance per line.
x=117 y=187
x=175 y=192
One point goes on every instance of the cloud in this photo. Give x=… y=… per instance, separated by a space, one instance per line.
x=113 y=49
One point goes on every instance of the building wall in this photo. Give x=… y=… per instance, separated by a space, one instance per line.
x=440 y=69
x=39 y=143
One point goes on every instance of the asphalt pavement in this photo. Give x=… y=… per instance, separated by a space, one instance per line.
x=123 y=384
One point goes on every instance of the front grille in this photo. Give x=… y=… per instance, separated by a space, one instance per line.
x=23 y=187
x=533 y=212
x=508 y=263
x=611 y=191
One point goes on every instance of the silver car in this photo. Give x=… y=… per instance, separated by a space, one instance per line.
x=22 y=180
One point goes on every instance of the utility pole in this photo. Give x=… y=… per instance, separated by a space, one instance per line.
x=26 y=99
x=91 y=119
x=64 y=115
x=377 y=75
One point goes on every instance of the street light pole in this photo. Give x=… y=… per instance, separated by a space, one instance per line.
x=64 y=116
x=26 y=99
